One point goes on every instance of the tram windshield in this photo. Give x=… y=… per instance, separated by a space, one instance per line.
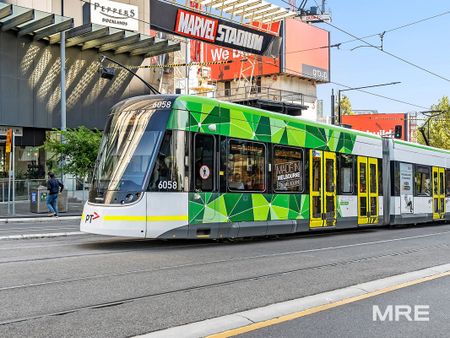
x=125 y=155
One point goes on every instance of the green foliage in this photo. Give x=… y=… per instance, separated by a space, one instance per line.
x=77 y=154
x=439 y=126
x=346 y=106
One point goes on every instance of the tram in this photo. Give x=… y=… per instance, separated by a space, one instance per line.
x=195 y=167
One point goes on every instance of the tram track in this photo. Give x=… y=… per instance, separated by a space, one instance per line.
x=117 y=302
x=199 y=244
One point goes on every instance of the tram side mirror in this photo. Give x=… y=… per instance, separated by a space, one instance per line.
x=398 y=131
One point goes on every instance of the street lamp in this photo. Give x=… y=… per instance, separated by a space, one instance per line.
x=358 y=88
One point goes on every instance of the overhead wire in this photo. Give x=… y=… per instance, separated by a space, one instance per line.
x=359 y=90
x=383 y=50
x=338 y=44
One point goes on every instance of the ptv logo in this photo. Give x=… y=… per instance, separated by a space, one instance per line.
x=91 y=217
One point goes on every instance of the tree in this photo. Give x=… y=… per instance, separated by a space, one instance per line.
x=439 y=125
x=346 y=106
x=77 y=154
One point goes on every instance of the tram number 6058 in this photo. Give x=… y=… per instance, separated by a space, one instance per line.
x=161 y=104
x=167 y=185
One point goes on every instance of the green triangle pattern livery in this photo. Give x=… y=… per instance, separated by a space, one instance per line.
x=206 y=207
x=196 y=114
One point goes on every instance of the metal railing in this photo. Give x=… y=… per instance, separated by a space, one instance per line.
x=76 y=196
x=256 y=92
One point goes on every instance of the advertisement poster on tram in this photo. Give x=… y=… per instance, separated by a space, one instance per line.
x=406 y=188
x=288 y=175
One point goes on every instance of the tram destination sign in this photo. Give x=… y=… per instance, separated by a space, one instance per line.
x=173 y=19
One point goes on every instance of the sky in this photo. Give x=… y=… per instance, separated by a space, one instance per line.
x=426 y=44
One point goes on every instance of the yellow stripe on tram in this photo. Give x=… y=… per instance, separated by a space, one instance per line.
x=124 y=218
x=145 y=218
x=167 y=218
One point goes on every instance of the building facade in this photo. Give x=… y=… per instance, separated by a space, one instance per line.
x=30 y=68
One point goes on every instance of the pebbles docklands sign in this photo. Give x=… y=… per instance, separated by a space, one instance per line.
x=114 y=14
x=172 y=19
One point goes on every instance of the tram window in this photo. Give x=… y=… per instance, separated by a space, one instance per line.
x=170 y=172
x=362 y=177
x=204 y=162
x=246 y=166
x=441 y=183
x=288 y=169
x=435 y=183
x=346 y=174
x=395 y=179
x=329 y=174
x=373 y=178
x=380 y=176
x=422 y=181
x=447 y=182
x=316 y=167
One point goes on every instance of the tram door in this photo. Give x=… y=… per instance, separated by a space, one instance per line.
x=322 y=186
x=438 y=193
x=367 y=190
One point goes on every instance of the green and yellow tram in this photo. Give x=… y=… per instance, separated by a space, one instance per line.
x=195 y=167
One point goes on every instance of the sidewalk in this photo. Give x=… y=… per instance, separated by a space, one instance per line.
x=23 y=210
x=41 y=227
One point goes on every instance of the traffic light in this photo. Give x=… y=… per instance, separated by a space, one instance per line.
x=398 y=131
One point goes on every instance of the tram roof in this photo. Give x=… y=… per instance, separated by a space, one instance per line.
x=202 y=99
x=47 y=26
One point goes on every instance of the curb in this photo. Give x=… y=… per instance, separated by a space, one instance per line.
x=38 y=219
x=244 y=318
x=48 y=235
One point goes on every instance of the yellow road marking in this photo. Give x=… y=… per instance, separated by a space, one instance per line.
x=285 y=318
x=145 y=218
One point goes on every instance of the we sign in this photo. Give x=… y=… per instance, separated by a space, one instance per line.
x=416 y=313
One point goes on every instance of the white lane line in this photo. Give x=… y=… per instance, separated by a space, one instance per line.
x=47 y=235
x=38 y=229
x=39 y=219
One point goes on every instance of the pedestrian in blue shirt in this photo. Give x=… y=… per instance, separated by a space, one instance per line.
x=54 y=186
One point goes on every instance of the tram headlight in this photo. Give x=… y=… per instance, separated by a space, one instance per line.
x=129 y=198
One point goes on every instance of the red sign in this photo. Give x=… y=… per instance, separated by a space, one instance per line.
x=379 y=124
x=249 y=64
x=196 y=26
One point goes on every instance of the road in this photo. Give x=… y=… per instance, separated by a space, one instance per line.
x=95 y=286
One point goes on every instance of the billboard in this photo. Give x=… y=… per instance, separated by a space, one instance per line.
x=263 y=65
x=379 y=124
x=192 y=24
x=306 y=50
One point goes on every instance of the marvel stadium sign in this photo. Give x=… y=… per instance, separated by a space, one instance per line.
x=208 y=29
x=172 y=19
